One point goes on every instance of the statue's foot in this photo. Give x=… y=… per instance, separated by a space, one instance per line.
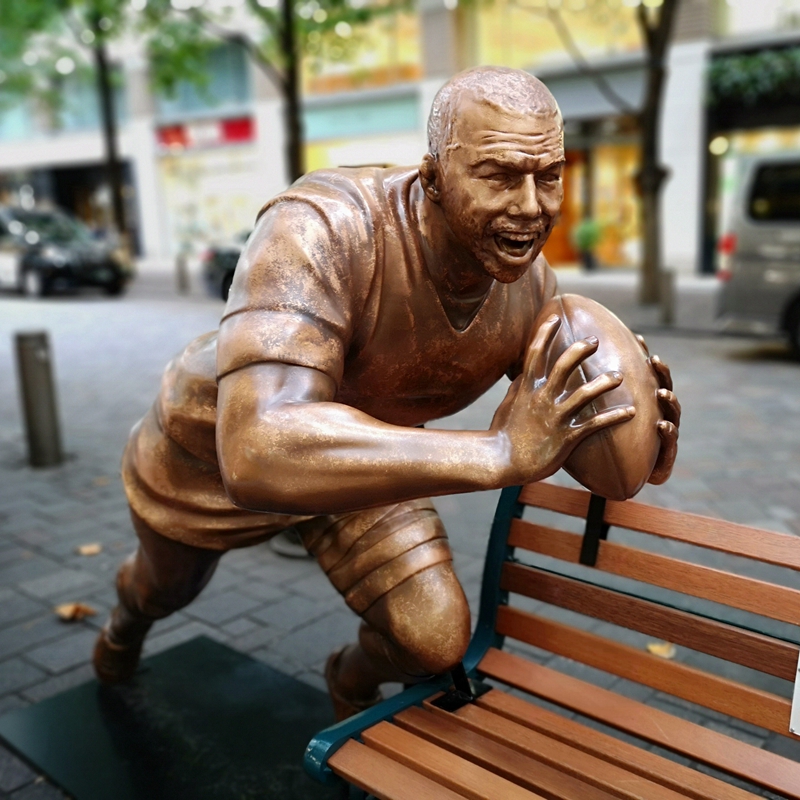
x=115 y=663
x=344 y=706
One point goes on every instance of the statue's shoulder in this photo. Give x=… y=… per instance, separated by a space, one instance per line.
x=366 y=190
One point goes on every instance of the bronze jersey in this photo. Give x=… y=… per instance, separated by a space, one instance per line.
x=342 y=288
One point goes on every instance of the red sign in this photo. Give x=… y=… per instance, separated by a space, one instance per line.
x=207 y=133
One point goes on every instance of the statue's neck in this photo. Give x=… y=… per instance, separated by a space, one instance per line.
x=460 y=281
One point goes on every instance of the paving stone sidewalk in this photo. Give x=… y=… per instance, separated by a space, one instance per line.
x=738 y=459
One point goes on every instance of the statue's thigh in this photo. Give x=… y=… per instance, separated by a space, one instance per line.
x=393 y=565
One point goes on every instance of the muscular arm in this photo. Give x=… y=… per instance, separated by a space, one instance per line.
x=284 y=446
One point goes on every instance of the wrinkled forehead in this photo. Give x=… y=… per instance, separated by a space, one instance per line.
x=482 y=127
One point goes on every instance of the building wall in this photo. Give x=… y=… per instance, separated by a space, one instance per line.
x=682 y=143
x=394 y=128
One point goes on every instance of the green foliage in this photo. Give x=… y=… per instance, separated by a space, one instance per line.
x=45 y=42
x=179 y=38
x=767 y=76
x=178 y=51
x=586 y=235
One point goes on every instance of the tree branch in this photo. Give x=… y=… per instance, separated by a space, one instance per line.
x=238 y=38
x=645 y=27
x=605 y=88
x=663 y=31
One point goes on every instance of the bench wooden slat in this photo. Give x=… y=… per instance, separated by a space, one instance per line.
x=754 y=650
x=748 y=594
x=500 y=758
x=715 y=534
x=572 y=502
x=384 y=777
x=730 y=755
x=441 y=765
x=683 y=779
x=712 y=691
x=604 y=775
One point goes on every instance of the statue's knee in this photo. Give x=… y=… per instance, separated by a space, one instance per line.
x=426 y=621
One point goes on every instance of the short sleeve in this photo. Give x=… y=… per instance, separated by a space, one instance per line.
x=295 y=292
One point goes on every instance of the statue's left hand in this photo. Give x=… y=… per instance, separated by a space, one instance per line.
x=667 y=427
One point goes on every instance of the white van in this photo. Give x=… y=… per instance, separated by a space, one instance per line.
x=759 y=252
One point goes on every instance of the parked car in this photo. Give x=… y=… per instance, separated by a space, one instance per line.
x=219 y=263
x=760 y=252
x=43 y=251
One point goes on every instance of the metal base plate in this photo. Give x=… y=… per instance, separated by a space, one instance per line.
x=199 y=721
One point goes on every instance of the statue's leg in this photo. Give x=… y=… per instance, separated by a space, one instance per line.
x=161 y=577
x=394 y=567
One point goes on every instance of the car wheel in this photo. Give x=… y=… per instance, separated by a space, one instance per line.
x=33 y=284
x=226 y=286
x=793 y=329
x=115 y=288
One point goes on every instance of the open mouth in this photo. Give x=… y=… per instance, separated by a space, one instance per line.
x=516 y=244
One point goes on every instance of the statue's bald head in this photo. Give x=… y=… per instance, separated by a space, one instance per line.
x=502 y=88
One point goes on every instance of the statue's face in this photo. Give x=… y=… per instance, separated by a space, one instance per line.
x=500 y=185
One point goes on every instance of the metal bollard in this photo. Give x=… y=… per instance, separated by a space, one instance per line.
x=34 y=367
x=667 y=292
x=181 y=273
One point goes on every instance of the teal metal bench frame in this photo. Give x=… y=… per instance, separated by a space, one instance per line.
x=327 y=742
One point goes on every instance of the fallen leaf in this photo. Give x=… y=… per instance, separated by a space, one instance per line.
x=90 y=549
x=72 y=612
x=662 y=649
x=102 y=481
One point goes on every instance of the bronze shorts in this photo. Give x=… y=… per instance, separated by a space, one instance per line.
x=364 y=553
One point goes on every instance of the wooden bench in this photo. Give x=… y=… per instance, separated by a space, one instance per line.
x=617 y=721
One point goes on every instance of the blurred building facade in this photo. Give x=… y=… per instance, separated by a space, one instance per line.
x=199 y=165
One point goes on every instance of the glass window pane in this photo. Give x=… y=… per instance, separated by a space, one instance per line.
x=776 y=193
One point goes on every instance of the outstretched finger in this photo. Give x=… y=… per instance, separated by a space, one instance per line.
x=666 y=456
x=605 y=419
x=662 y=371
x=670 y=407
x=588 y=392
x=567 y=362
x=535 y=365
x=642 y=343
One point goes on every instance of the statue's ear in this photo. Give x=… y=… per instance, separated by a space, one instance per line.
x=429 y=177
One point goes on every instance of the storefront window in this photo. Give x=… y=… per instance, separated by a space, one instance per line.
x=16 y=122
x=211 y=195
x=616 y=204
x=599 y=185
x=80 y=102
x=227 y=92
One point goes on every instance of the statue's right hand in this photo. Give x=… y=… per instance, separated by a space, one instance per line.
x=537 y=421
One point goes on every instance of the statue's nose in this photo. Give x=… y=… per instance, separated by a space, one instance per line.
x=525 y=203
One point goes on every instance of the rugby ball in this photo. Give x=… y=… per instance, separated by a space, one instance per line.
x=615 y=462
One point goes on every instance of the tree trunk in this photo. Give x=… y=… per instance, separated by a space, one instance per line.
x=652 y=175
x=109 y=121
x=293 y=121
x=650 y=282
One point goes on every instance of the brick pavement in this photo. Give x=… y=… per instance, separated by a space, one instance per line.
x=740 y=437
